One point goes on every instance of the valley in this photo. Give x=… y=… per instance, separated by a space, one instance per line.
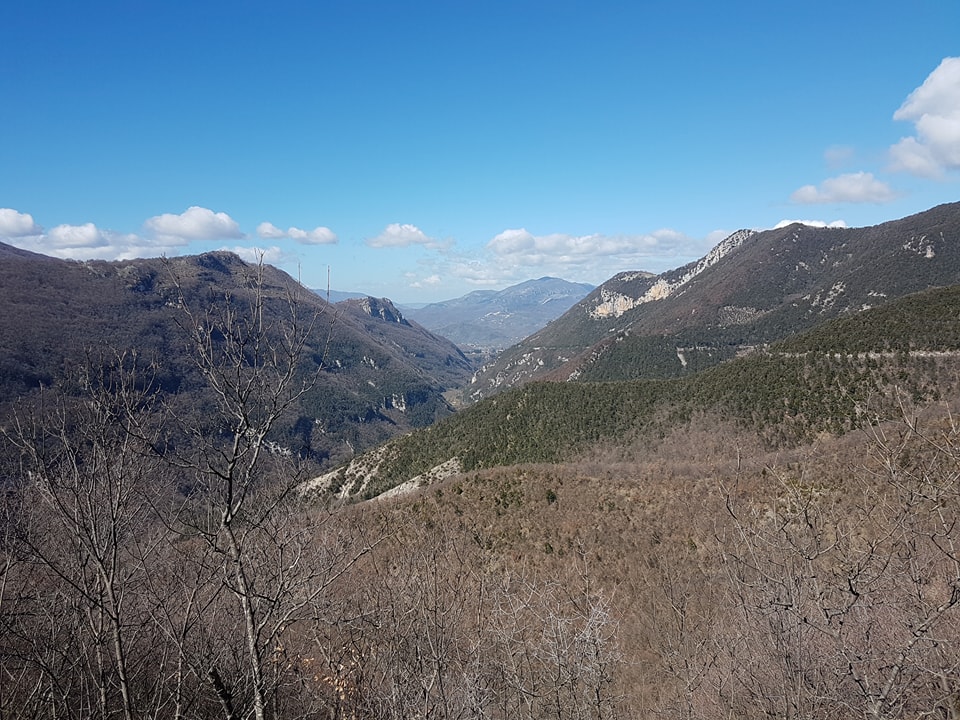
x=729 y=490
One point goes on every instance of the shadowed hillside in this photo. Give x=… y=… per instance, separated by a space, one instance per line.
x=377 y=378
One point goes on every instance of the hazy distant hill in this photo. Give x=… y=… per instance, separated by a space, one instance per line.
x=380 y=378
x=496 y=319
x=752 y=288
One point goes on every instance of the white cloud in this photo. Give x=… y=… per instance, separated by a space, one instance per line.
x=812 y=223
x=166 y=235
x=910 y=155
x=271 y=255
x=934 y=109
x=89 y=242
x=860 y=187
x=269 y=231
x=523 y=246
x=518 y=254
x=17 y=224
x=87 y=235
x=401 y=235
x=195 y=223
x=427 y=282
x=318 y=236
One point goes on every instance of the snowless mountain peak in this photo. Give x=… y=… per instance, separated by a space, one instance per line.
x=613 y=304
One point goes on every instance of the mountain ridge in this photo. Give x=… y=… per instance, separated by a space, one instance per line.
x=752 y=288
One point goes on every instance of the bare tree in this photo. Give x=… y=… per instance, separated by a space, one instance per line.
x=848 y=597
x=86 y=464
x=251 y=351
x=680 y=608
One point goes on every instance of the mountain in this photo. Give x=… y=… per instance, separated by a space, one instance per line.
x=377 y=377
x=491 y=320
x=751 y=289
x=435 y=357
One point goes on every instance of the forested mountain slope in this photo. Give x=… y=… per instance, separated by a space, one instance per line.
x=831 y=379
x=376 y=378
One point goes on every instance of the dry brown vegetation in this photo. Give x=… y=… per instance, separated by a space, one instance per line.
x=735 y=581
x=698 y=575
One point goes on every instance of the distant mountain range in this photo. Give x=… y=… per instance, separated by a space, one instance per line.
x=492 y=320
x=751 y=289
x=381 y=376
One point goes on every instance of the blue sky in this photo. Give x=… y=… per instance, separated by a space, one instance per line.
x=421 y=150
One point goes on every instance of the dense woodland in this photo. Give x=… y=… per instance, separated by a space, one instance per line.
x=775 y=538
